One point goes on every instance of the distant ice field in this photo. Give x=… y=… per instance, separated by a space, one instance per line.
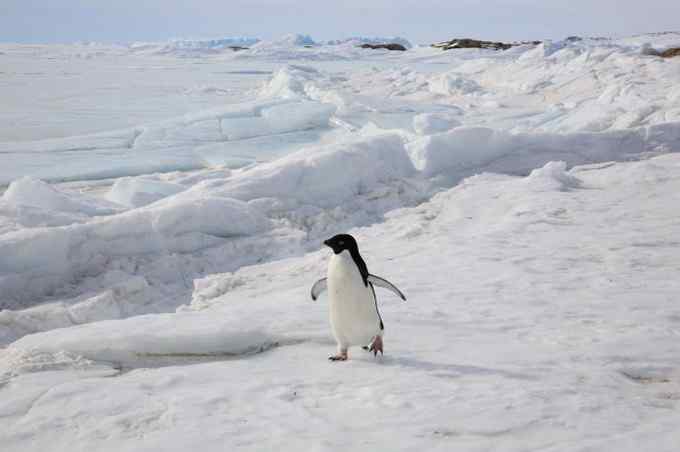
x=54 y=94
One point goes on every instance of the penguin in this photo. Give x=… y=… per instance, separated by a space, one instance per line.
x=354 y=315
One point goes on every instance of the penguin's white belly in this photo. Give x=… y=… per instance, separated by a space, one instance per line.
x=353 y=314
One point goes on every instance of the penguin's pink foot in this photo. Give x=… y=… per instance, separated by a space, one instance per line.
x=342 y=356
x=376 y=346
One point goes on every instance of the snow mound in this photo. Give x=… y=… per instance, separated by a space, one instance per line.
x=36 y=262
x=325 y=176
x=290 y=117
x=140 y=191
x=220 y=217
x=457 y=150
x=553 y=176
x=193 y=47
x=464 y=150
x=296 y=47
x=291 y=39
x=545 y=49
x=31 y=203
x=217 y=43
x=286 y=42
x=290 y=81
x=35 y=193
x=453 y=84
x=142 y=338
x=122 y=299
x=16 y=362
x=431 y=123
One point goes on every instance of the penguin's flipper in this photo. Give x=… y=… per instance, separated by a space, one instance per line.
x=319 y=287
x=385 y=284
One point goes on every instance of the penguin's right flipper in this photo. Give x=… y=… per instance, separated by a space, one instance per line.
x=319 y=287
x=385 y=284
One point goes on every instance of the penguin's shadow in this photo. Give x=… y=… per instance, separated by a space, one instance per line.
x=446 y=370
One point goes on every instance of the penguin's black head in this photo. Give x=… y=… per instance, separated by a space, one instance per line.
x=342 y=242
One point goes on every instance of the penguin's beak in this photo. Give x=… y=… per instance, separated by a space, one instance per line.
x=325 y=242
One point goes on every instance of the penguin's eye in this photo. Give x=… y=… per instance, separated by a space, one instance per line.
x=341 y=243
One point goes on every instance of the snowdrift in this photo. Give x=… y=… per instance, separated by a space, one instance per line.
x=464 y=149
x=127 y=342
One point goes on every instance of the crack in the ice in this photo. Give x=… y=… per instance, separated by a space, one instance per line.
x=444 y=370
x=639 y=377
x=159 y=360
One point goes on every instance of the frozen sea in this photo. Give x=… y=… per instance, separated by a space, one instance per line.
x=162 y=210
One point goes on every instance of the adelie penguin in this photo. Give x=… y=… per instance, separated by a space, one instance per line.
x=354 y=315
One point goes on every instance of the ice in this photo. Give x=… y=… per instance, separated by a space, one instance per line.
x=125 y=298
x=298 y=47
x=193 y=47
x=36 y=262
x=290 y=117
x=125 y=342
x=176 y=144
x=244 y=152
x=289 y=81
x=30 y=203
x=454 y=84
x=553 y=176
x=326 y=176
x=291 y=40
x=431 y=123
x=140 y=191
x=35 y=193
x=156 y=254
x=464 y=150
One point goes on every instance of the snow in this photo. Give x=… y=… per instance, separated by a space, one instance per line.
x=431 y=123
x=125 y=342
x=37 y=194
x=155 y=270
x=140 y=191
x=553 y=176
x=193 y=47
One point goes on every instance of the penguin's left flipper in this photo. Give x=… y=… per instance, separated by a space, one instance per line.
x=385 y=284
x=319 y=287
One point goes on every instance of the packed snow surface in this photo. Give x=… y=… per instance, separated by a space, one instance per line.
x=163 y=207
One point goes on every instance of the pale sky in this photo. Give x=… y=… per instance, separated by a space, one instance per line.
x=421 y=21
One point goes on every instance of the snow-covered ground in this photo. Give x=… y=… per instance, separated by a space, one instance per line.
x=162 y=218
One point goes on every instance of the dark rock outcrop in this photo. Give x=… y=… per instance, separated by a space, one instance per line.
x=391 y=46
x=237 y=48
x=670 y=53
x=466 y=43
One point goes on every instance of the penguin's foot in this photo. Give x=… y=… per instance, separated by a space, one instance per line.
x=376 y=346
x=342 y=356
